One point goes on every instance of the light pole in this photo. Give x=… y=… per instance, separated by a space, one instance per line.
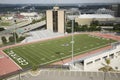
x=19 y=74
x=72 y=42
x=14 y=31
x=110 y=28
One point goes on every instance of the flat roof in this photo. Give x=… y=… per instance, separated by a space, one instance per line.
x=95 y=16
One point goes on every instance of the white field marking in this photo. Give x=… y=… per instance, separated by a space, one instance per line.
x=99 y=38
x=53 y=56
x=18 y=58
x=78 y=49
x=103 y=42
x=43 y=59
x=48 y=43
x=11 y=59
x=103 y=38
x=97 y=44
x=32 y=57
x=61 y=53
x=37 y=56
x=75 y=54
x=32 y=46
x=91 y=45
x=85 y=47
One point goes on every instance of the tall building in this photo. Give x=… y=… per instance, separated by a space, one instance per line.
x=116 y=8
x=56 y=20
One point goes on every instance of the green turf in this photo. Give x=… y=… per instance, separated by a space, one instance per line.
x=46 y=52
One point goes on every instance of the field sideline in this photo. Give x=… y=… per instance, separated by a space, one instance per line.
x=46 y=52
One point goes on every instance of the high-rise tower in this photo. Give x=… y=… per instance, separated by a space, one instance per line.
x=56 y=20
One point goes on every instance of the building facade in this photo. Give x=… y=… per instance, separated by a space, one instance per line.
x=95 y=61
x=86 y=19
x=105 y=11
x=55 y=20
x=116 y=8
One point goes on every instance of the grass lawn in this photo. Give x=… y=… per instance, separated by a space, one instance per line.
x=49 y=51
x=4 y=24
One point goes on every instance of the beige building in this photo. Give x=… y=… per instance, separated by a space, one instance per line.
x=55 y=20
x=86 y=19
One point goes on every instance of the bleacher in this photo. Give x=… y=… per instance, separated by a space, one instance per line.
x=69 y=75
x=39 y=35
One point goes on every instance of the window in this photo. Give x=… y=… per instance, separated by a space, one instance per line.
x=111 y=56
x=97 y=60
x=90 y=62
x=55 y=21
x=105 y=57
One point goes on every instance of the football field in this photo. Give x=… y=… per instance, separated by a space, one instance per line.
x=46 y=52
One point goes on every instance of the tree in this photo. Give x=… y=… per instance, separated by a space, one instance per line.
x=106 y=67
x=116 y=27
x=94 y=23
x=92 y=28
x=69 y=23
x=4 y=40
x=107 y=61
x=1 y=29
x=98 y=28
x=76 y=27
x=21 y=38
x=35 y=67
x=84 y=28
x=11 y=39
x=0 y=18
x=33 y=21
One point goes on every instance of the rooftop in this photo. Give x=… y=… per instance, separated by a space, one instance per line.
x=96 y=16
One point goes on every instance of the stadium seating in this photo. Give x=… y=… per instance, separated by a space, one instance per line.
x=70 y=75
x=39 y=35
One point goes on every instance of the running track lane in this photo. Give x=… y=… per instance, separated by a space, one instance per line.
x=6 y=64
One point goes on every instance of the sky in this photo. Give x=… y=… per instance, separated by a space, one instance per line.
x=57 y=1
